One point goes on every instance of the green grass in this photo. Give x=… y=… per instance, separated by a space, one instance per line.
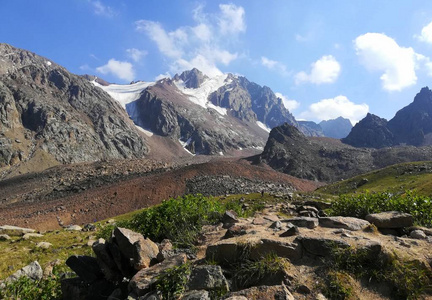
x=394 y=179
x=181 y=219
x=408 y=279
x=360 y=205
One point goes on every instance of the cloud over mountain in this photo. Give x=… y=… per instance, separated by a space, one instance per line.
x=324 y=70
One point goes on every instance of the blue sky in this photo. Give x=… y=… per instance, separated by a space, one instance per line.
x=325 y=58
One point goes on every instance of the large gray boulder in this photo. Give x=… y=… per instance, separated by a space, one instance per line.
x=343 y=222
x=15 y=230
x=207 y=277
x=33 y=271
x=391 y=219
x=320 y=246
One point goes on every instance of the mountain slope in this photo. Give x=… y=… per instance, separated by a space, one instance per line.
x=50 y=116
x=336 y=128
x=328 y=160
x=412 y=125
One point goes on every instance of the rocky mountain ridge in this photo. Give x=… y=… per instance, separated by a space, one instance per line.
x=49 y=116
x=412 y=125
x=328 y=160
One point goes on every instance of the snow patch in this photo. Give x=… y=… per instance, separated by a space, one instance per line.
x=146 y=132
x=263 y=126
x=221 y=153
x=125 y=93
x=185 y=144
x=200 y=95
x=48 y=63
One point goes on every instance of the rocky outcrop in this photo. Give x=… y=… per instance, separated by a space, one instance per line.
x=390 y=219
x=289 y=151
x=370 y=132
x=192 y=78
x=412 y=125
x=336 y=128
x=52 y=116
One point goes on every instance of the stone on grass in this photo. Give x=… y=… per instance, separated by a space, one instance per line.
x=4 y=237
x=73 y=228
x=43 y=245
x=391 y=219
x=33 y=271
x=28 y=236
x=349 y=223
x=15 y=230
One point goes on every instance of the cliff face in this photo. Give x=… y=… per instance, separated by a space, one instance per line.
x=49 y=114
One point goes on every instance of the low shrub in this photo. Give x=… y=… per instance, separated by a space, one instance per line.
x=360 y=205
x=171 y=283
x=26 y=288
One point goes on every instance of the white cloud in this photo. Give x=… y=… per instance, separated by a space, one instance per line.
x=426 y=34
x=136 y=54
x=379 y=52
x=336 y=107
x=324 y=70
x=102 y=10
x=121 y=69
x=274 y=65
x=163 y=76
x=205 y=45
x=231 y=20
x=85 y=67
x=288 y=103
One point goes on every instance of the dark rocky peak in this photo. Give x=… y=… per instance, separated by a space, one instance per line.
x=336 y=128
x=192 y=78
x=424 y=96
x=286 y=132
x=370 y=132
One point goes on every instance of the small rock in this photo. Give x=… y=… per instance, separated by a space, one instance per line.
x=303 y=289
x=229 y=218
x=43 y=245
x=308 y=222
x=276 y=225
x=235 y=230
x=4 y=237
x=292 y=230
x=207 y=278
x=259 y=221
x=418 y=234
x=89 y=227
x=31 y=235
x=73 y=228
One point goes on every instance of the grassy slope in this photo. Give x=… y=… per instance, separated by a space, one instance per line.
x=396 y=178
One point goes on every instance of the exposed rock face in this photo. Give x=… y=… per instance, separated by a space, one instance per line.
x=289 y=151
x=310 y=128
x=49 y=114
x=371 y=132
x=412 y=125
x=336 y=128
x=192 y=79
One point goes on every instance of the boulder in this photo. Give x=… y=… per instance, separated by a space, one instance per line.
x=142 y=282
x=86 y=267
x=349 y=223
x=235 y=230
x=265 y=247
x=207 y=277
x=141 y=252
x=320 y=246
x=223 y=252
x=308 y=222
x=15 y=230
x=33 y=271
x=276 y=292
x=30 y=235
x=43 y=245
x=196 y=295
x=418 y=234
x=229 y=219
x=391 y=219
x=4 y=237
x=73 y=228
x=106 y=261
x=276 y=225
x=122 y=262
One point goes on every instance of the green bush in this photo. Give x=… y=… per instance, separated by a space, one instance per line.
x=171 y=283
x=360 y=205
x=26 y=288
x=180 y=219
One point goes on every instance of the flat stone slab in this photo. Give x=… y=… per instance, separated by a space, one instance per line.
x=308 y=222
x=15 y=230
x=391 y=219
x=343 y=222
x=320 y=246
